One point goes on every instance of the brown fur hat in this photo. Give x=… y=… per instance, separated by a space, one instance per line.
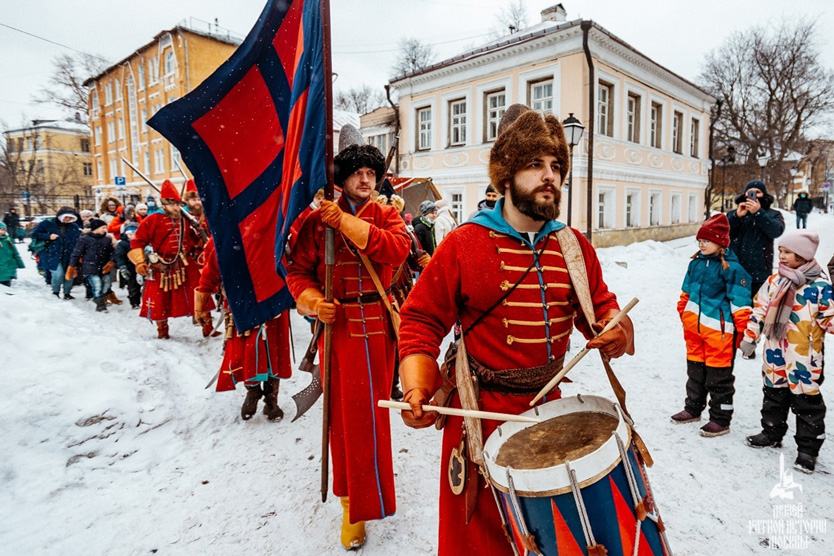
x=524 y=135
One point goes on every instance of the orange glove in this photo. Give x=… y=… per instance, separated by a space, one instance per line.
x=423 y=260
x=311 y=302
x=353 y=228
x=618 y=340
x=108 y=266
x=420 y=379
x=142 y=268
x=202 y=316
x=71 y=273
x=331 y=214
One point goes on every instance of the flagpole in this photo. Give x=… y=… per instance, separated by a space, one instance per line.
x=329 y=247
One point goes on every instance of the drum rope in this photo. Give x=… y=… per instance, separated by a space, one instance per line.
x=580 y=506
x=632 y=486
x=522 y=524
x=498 y=503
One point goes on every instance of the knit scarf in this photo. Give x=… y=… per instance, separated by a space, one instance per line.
x=780 y=307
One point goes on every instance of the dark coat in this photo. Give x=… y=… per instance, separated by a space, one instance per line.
x=120 y=256
x=10 y=259
x=11 y=220
x=58 y=251
x=803 y=205
x=751 y=239
x=424 y=230
x=93 y=251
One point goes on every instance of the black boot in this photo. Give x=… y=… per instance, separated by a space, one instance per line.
x=271 y=409
x=101 y=304
x=250 y=404
x=761 y=440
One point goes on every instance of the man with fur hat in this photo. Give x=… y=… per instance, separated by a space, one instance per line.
x=504 y=277
x=171 y=271
x=363 y=345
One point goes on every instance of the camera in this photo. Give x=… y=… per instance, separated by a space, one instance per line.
x=751 y=194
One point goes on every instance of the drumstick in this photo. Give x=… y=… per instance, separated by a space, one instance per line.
x=555 y=380
x=461 y=412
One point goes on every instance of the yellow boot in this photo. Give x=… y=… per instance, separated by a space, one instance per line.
x=353 y=534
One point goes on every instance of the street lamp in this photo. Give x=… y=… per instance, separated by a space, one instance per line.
x=729 y=156
x=573 y=133
x=763 y=159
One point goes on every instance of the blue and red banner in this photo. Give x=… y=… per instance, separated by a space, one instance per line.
x=253 y=135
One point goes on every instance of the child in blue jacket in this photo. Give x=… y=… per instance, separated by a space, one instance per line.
x=714 y=306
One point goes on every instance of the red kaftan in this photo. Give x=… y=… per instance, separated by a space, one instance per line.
x=362 y=354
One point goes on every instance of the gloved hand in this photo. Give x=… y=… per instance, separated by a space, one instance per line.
x=311 y=302
x=420 y=379
x=137 y=257
x=108 y=266
x=71 y=273
x=124 y=273
x=353 y=228
x=142 y=268
x=331 y=214
x=423 y=260
x=618 y=340
x=202 y=316
x=748 y=348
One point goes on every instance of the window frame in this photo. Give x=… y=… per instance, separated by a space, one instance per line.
x=655 y=194
x=606 y=206
x=633 y=117
x=492 y=121
x=605 y=127
x=632 y=219
x=677 y=132
x=656 y=125
x=692 y=208
x=673 y=218
x=457 y=122
x=694 y=137
x=531 y=87
x=424 y=128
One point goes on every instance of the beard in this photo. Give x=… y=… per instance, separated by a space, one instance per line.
x=527 y=205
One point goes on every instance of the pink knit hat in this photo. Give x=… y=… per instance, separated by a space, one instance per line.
x=802 y=242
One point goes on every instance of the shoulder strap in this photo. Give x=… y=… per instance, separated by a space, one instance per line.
x=395 y=315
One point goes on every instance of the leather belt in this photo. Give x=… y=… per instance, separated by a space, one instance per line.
x=521 y=381
x=362 y=299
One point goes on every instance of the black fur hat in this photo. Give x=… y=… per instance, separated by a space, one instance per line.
x=357 y=156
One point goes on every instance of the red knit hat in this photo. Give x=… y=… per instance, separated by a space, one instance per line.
x=168 y=191
x=716 y=229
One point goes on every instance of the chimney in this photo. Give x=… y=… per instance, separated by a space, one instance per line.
x=554 y=13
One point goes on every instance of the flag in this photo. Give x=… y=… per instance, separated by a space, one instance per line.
x=253 y=135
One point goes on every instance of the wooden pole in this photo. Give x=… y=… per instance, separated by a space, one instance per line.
x=329 y=248
x=461 y=412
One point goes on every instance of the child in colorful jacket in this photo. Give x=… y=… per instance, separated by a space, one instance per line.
x=714 y=308
x=793 y=310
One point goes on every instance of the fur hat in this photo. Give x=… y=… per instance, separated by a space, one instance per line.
x=357 y=156
x=802 y=242
x=427 y=207
x=716 y=229
x=524 y=135
x=96 y=223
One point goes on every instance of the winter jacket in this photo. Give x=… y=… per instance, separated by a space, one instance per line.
x=57 y=251
x=11 y=220
x=120 y=255
x=803 y=205
x=424 y=230
x=443 y=224
x=751 y=239
x=93 y=252
x=714 y=299
x=796 y=361
x=10 y=259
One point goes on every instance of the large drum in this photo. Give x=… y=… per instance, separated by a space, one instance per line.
x=573 y=485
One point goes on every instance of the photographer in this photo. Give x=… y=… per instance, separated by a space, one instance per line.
x=753 y=227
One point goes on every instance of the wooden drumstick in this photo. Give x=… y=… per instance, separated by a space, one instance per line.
x=461 y=412
x=556 y=379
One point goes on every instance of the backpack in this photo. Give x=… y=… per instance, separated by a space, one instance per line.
x=37 y=245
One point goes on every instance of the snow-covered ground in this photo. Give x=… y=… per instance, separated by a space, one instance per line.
x=110 y=443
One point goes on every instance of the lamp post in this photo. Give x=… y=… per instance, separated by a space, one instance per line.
x=793 y=172
x=763 y=160
x=729 y=156
x=573 y=133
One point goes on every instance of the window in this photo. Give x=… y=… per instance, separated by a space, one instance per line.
x=605 y=209
x=633 y=119
x=111 y=131
x=154 y=71
x=175 y=157
x=99 y=172
x=380 y=142
x=147 y=157
x=40 y=166
x=20 y=144
x=656 y=126
x=457 y=122
x=108 y=93
x=141 y=73
x=694 y=129
x=655 y=200
x=98 y=135
x=30 y=143
x=118 y=89
x=144 y=113
x=456 y=206
x=10 y=145
x=159 y=161
x=677 y=130
x=37 y=142
x=495 y=106
x=112 y=169
x=541 y=97
x=88 y=168
x=170 y=65
x=121 y=128
x=424 y=129
x=693 y=208
x=94 y=100
x=675 y=217
x=605 y=112
x=632 y=216
x=85 y=145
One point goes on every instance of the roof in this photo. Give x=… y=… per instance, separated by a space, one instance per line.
x=384 y=115
x=531 y=33
x=72 y=126
x=227 y=38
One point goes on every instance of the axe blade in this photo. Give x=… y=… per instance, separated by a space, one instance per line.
x=307 y=398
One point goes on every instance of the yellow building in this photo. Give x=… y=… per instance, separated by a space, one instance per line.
x=650 y=126
x=127 y=94
x=49 y=165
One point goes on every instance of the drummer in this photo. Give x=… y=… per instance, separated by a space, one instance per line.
x=503 y=275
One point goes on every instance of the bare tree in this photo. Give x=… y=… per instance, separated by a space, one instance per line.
x=509 y=19
x=66 y=84
x=361 y=100
x=774 y=89
x=414 y=56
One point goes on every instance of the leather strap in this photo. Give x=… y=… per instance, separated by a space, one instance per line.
x=395 y=315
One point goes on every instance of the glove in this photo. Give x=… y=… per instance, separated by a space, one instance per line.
x=423 y=260
x=355 y=229
x=331 y=214
x=137 y=257
x=108 y=266
x=123 y=272
x=142 y=268
x=420 y=379
x=71 y=273
x=748 y=348
x=311 y=302
x=618 y=340
x=202 y=316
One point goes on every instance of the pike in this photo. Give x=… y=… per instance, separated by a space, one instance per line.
x=187 y=215
x=184 y=177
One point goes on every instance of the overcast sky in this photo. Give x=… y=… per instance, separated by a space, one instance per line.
x=675 y=33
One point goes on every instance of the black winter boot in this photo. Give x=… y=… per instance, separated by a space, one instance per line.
x=250 y=404
x=761 y=440
x=805 y=463
x=271 y=409
x=101 y=304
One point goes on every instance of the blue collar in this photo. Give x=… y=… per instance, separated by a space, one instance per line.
x=493 y=219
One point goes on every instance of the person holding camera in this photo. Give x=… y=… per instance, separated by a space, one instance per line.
x=753 y=228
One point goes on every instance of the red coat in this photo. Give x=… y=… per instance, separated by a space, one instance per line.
x=470 y=271
x=255 y=355
x=362 y=355
x=163 y=233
